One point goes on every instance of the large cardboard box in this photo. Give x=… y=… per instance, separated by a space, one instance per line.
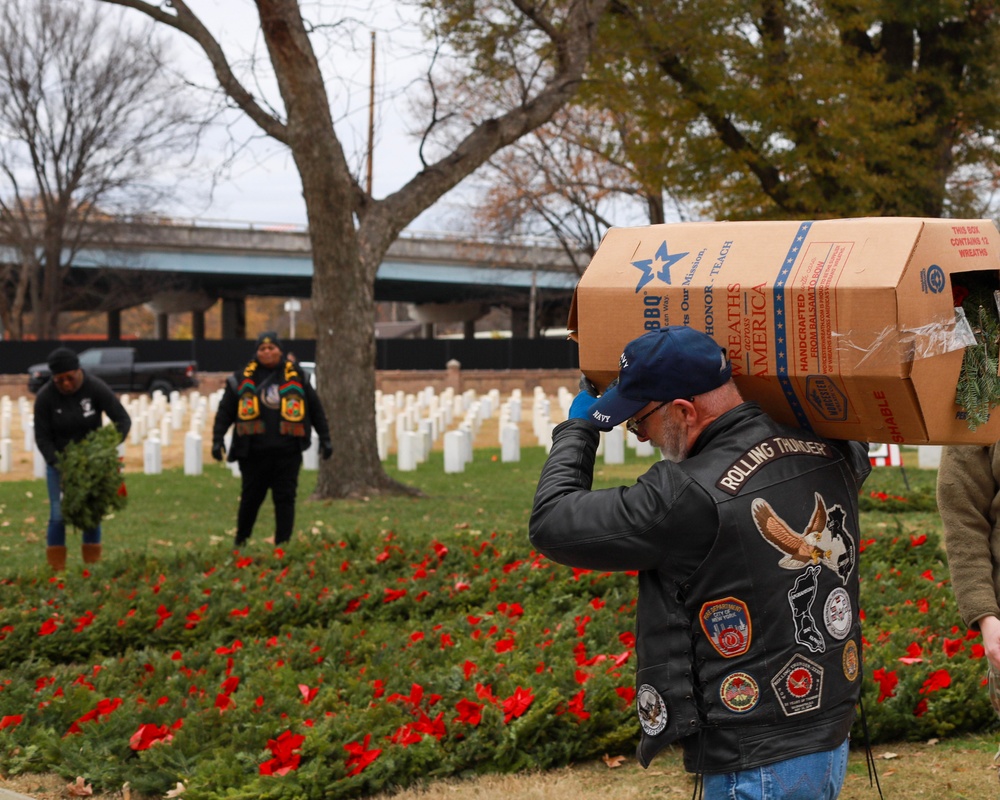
x=847 y=327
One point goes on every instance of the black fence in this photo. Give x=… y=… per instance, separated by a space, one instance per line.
x=225 y=355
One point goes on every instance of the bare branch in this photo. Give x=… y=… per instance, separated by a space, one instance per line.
x=189 y=24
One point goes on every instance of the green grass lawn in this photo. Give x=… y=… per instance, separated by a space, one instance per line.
x=393 y=640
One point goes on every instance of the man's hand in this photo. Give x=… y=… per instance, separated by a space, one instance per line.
x=990 y=628
x=581 y=405
x=583 y=402
x=326 y=449
x=218 y=451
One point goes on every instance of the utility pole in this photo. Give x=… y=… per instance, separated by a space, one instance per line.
x=371 y=119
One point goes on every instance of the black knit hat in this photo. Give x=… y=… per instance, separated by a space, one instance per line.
x=62 y=359
x=269 y=337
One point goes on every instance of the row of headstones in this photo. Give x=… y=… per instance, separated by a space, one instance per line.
x=418 y=436
x=154 y=421
x=414 y=422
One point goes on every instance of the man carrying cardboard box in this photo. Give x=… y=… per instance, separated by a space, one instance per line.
x=745 y=538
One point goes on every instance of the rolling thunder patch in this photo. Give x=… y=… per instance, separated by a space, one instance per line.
x=735 y=476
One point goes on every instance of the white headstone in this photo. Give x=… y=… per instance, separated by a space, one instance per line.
x=644 y=449
x=192 y=453
x=406 y=451
x=310 y=456
x=39 y=466
x=929 y=456
x=6 y=455
x=614 y=445
x=510 y=443
x=454 y=457
x=152 y=456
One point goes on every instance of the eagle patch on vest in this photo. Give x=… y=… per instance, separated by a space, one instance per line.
x=824 y=541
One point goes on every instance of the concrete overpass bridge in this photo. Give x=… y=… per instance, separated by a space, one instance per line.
x=186 y=267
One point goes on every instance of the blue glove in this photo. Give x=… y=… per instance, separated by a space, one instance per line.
x=581 y=405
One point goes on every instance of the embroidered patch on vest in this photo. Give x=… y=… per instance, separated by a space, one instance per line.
x=824 y=540
x=739 y=692
x=651 y=709
x=798 y=686
x=800 y=598
x=837 y=614
x=727 y=625
x=737 y=473
x=852 y=664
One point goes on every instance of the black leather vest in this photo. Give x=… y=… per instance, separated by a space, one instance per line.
x=764 y=636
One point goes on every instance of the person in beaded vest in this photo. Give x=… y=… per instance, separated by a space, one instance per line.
x=272 y=409
x=745 y=540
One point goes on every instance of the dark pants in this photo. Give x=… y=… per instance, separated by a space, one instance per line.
x=279 y=472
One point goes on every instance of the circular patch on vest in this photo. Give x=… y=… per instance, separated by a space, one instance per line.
x=837 y=614
x=651 y=709
x=739 y=692
x=852 y=664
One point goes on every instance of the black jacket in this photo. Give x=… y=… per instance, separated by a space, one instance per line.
x=759 y=523
x=271 y=438
x=61 y=418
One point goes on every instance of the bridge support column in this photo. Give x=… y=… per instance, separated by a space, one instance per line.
x=427 y=330
x=115 y=324
x=162 y=326
x=234 y=318
x=197 y=325
x=469 y=329
x=519 y=322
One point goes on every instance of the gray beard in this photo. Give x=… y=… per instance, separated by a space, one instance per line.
x=674 y=443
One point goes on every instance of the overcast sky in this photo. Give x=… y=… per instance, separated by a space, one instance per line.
x=263 y=186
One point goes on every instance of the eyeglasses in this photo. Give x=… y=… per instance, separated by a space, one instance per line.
x=633 y=424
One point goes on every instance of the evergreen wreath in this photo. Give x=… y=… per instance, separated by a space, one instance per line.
x=978 y=388
x=90 y=473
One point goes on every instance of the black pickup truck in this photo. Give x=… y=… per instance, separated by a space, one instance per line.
x=117 y=367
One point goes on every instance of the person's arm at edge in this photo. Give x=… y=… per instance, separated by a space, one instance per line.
x=608 y=529
x=112 y=406
x=43 y=427
x=317 y=415
x=966 y=492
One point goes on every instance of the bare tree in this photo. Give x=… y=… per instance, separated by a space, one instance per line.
x=87 y=115
x=572 y=179
x=350 y=230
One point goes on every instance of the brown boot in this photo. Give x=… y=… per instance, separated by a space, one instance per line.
x=56 y=556
x=91 y=553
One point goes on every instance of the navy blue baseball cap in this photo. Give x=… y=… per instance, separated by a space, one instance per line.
x=660 y=366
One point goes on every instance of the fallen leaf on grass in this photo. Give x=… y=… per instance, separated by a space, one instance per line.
x=79 y=789
x=177 y=791
x=932 y=742
x=461 y=526
x=889 y=755
x=613 y=762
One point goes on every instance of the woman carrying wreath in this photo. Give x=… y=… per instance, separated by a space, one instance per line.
x=67 y=409
x=273 y=409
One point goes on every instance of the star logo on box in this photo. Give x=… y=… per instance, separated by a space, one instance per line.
x=656 y=267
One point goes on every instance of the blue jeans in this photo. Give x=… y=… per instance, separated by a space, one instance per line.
x=55 y=535
x=818 y=776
